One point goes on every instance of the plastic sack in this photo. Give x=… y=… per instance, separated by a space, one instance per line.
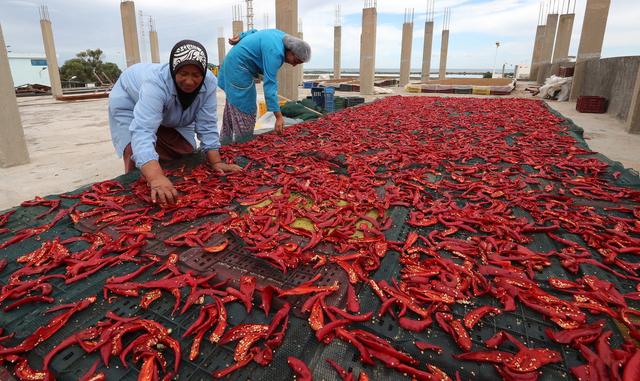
x=267 y=122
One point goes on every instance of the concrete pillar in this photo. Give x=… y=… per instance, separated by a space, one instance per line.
x=537 y=50
x=444 y=51
x=563 y=38
x=426 y=50
x=591 y=39
x=237 y=27
x=368 y=50
x=155 y=49
x=546 y=53
x=287 y=21
x=130 y=32
x=405 y=54
x=300 y=68
x=221 y=50
x=633 y=120
x=13 y=149
x=337 y=50
x=50 y=51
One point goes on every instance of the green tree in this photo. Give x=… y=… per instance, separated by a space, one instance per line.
x=88 y=67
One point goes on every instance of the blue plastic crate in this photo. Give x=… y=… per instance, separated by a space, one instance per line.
x=317 y=95
x=307 y=85
x=328 y=99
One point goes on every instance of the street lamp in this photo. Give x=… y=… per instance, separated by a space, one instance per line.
x=495 y=61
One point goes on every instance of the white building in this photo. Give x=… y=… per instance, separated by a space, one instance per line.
x=29 y=68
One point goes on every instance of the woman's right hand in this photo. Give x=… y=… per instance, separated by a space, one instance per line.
x=162 y=190
x=234 y=40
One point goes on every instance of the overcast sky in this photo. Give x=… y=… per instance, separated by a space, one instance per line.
x=475 y=27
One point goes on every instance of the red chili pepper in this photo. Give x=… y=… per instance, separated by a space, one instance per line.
x=344 y=375
x=91 y=375
x=39 y=201
x=4 y=217
x=23 y=234
x=586 y=334
x=217 y=248
x=423 y=346
x=43 y=333
x=414 y=325
x=303 y=290
x=23 y=371
x=29 y=299
x=632 y=367
x=299 y=368
x=267 y=295
x=474 y=316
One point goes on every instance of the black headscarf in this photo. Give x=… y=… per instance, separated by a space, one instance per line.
x=187 y=52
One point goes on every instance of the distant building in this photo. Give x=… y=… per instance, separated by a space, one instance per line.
x=522 y=71
x=29 y=68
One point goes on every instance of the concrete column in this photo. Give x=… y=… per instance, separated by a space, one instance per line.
x=221 y=50
x=426 y=50
x=300 y=68
x=546 y=53
x=155 y=49
x=368 y=50
x=287 y=21
x=633 y=120
x=337 y=50
x=13 y=149
x=52 y=60
x=405 y=54
x=591 y=39
x=537 y=49
x=563 y=38
x=237 y=27
x=130 y=32
x=444 y=51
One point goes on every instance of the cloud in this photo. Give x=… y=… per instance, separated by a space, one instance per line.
x=475 y=26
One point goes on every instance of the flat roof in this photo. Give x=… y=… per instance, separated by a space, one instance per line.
x=27 y=55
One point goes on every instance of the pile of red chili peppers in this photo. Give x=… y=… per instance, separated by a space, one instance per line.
x=481 y=182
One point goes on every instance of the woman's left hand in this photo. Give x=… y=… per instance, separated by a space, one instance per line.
x=234 y=40
x=222 y=168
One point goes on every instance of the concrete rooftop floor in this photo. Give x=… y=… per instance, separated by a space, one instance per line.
x=70 y=145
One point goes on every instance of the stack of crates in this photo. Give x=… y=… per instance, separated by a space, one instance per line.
x=596 y=105
x=317 y=95
x=328 y=99
x=565 y=71
x=353 y=101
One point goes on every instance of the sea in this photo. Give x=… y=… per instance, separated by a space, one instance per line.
x=415 y=73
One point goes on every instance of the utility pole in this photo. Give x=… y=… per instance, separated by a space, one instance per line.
x=495 y=61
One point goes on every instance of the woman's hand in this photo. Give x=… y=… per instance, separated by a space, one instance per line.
x=234 y=40
x=162 y=189
x=222 y=168
x=279 y=127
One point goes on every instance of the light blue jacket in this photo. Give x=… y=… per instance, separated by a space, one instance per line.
x=258 y=52
x=145 y=97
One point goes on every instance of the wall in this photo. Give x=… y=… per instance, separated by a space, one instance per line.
x=24 y=72
x=614 y=79
x=548 y=69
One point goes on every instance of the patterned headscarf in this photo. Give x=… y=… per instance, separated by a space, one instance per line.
x=187 y=52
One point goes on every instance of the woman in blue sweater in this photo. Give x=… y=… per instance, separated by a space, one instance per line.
x=156 y=110
x=255 y=52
